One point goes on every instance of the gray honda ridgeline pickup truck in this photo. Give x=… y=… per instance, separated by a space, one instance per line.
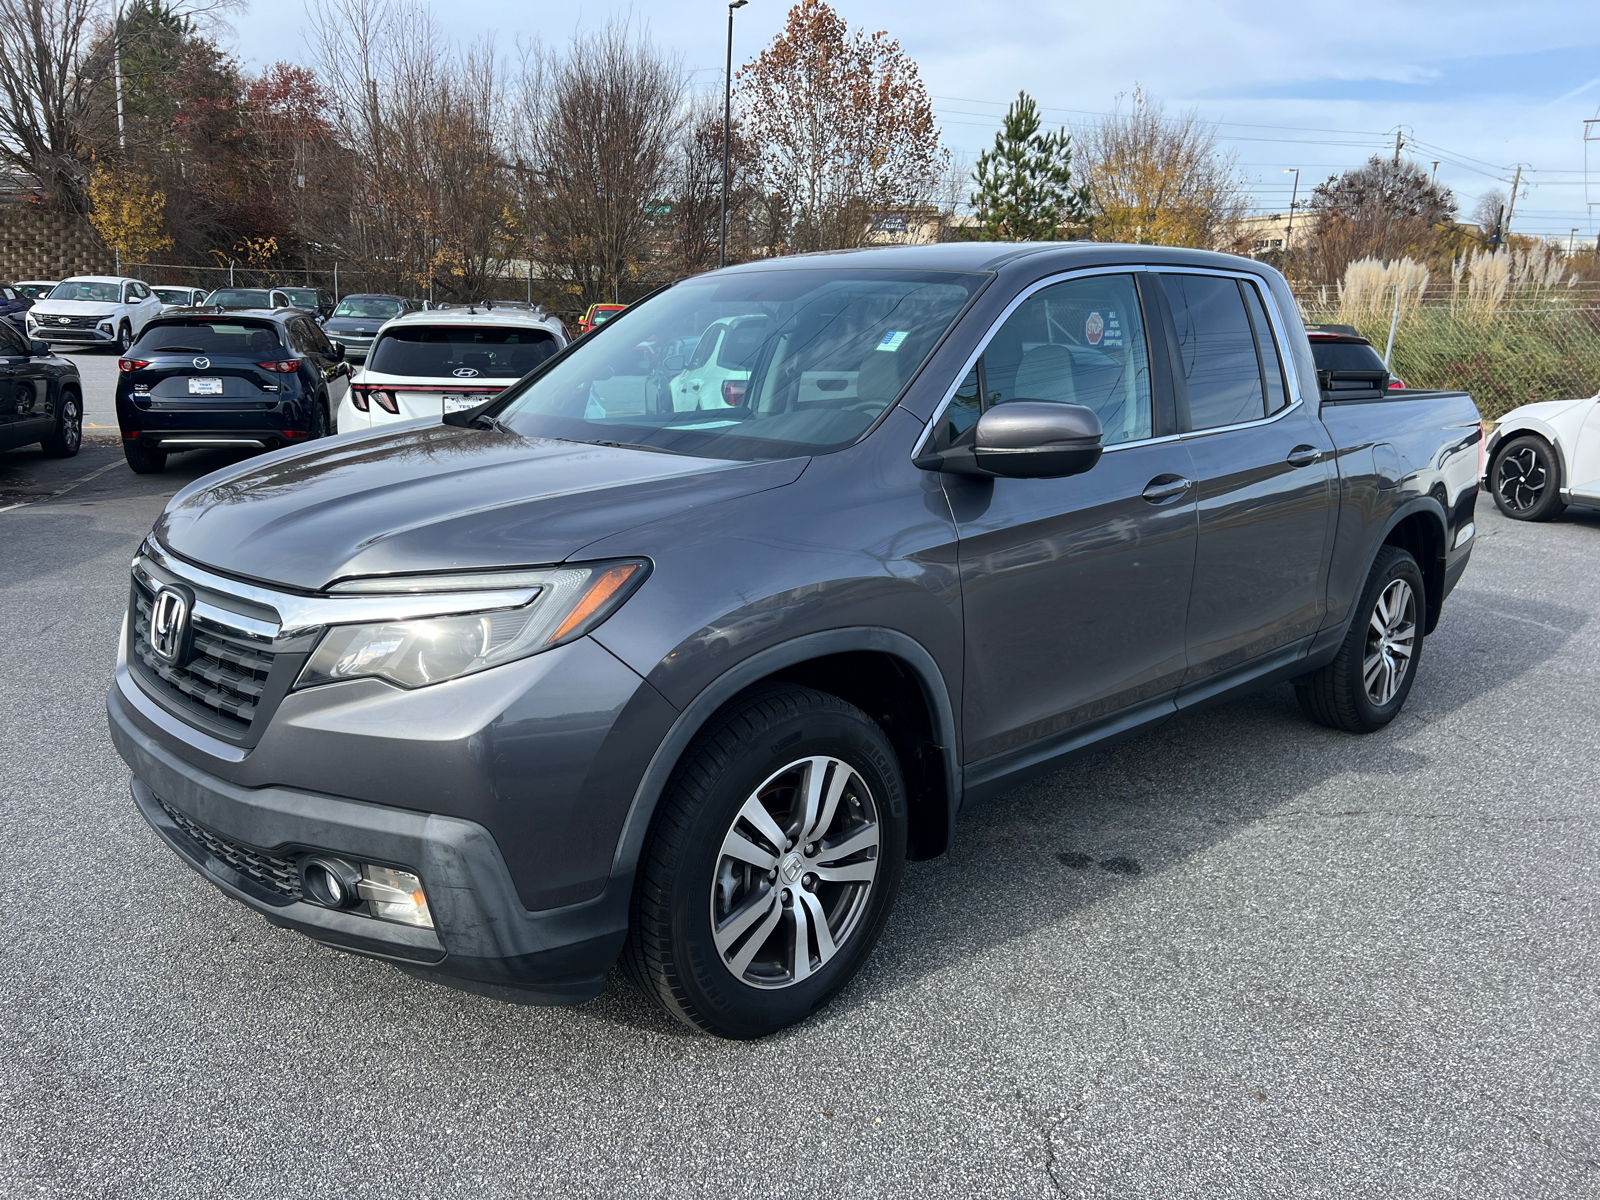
x=678 y=649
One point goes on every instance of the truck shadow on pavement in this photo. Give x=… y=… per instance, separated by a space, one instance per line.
x=1114 y=818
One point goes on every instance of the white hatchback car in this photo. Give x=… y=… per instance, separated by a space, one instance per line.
x=427 y=364
x=1542 y=457
x=95 y=310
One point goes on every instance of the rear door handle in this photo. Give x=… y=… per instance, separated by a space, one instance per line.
x=1304 y=456
x=1166 y=487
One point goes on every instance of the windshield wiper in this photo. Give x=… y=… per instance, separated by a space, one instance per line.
x=637 y=446
x=491 y=421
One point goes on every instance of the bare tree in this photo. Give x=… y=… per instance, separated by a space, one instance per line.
x=1161 y=180
x=844 y=128
x=595 y=152
x=431 y=199
x=1490 y=211
x=695 y=188
x=1382 y=209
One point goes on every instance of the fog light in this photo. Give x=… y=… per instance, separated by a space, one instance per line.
x=394 y=895
x=330 y=882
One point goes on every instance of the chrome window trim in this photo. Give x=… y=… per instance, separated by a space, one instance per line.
x=1269 y=303
x=1037 y=285
x=300 y=614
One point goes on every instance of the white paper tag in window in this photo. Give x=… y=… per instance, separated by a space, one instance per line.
x=892 y=339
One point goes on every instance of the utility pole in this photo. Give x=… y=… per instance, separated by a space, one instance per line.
x=1394 y=192
x=1434 y=178
x=1571 y=237
x=727 y=119
x=116 y=70
x=1517 y=183
x=1294 y=195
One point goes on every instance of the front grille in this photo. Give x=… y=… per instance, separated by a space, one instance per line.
x=223 y=679
x=72 y=322
x=277 y=875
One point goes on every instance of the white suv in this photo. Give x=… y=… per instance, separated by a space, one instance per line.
x=427 y=364
x=95 y=310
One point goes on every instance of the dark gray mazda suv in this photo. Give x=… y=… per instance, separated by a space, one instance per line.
x=680 y=648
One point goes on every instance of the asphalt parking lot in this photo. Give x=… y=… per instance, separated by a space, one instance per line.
x=1240 y=956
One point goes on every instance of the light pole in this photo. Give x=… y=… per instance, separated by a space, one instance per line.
x=1571 y=237
x=1288 y=234
x=727 y=117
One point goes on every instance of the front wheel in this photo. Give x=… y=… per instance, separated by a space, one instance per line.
x=1366 y=685
x=773 y=866
x=124 y=339
x=1525 y=478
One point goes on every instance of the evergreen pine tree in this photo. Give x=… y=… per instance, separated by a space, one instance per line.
x=1024 y=185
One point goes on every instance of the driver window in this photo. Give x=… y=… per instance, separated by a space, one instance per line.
x=1078 y=342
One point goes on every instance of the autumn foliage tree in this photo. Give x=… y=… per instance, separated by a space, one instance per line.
x=843 y=128
x=127 y=210
x=1161 y=180
x=1383 y=209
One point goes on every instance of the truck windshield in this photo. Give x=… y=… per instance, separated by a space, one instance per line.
x=461 y=351
x=809 y=359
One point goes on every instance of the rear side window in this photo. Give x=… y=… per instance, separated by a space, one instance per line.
x=1266 y=350
x=11 y=342
x=462 y=351
x=1217 y=350
x=242 y=339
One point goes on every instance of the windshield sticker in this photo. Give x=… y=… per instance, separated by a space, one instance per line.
x=892 y=339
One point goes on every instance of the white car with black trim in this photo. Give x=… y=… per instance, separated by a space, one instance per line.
x=1542 y=457
x=427 y=364
x=95 y=310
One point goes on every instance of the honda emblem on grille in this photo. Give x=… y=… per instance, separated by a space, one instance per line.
x=169 y=624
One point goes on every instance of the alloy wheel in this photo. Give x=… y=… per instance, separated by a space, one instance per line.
x=1520 y=480
x=794 y=872
x=71 y=423
x=1391 y=642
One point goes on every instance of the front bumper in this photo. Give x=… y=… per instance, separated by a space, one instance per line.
x=91 y=337
x=355 y=345
x=483 y=938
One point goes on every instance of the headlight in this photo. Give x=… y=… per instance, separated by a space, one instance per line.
x=568 y=602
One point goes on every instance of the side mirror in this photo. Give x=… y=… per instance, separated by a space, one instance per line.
x=1026 y=439
x=672 y=363
x=338 y=349
x=39 y=349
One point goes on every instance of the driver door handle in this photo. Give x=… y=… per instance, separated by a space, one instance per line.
x=1304 y=456
x=1166 y=487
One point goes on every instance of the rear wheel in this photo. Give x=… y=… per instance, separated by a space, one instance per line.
x=67 y=437
x=1366 y=685
x=319 y=418
x=1525 y=479
x=773 y=866
x=145 y=460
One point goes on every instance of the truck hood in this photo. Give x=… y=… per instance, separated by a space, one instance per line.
x=436 y=498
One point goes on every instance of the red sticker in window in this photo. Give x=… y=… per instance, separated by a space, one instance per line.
x=1094 y=328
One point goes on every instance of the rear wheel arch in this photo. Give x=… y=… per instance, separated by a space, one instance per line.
x=887 y=661
x=1419 y=529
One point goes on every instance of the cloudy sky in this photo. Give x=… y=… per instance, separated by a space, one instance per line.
x=1479 y=87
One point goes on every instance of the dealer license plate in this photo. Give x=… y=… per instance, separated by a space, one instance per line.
x=461 y=401
x=205 y=387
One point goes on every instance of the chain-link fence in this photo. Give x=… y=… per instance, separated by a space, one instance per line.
x=1517 y=352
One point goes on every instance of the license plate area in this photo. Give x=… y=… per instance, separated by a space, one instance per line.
x=461 y=401
x=201 y=386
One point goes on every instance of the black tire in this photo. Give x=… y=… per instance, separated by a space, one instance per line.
x=124 y=340
x=319 y=419
x=1525 y=479
x=1340 y=695
x=684 y=873
x=67 y=437
x=145 y=460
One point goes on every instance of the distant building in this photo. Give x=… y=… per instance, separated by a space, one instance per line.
x=1272 y=231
